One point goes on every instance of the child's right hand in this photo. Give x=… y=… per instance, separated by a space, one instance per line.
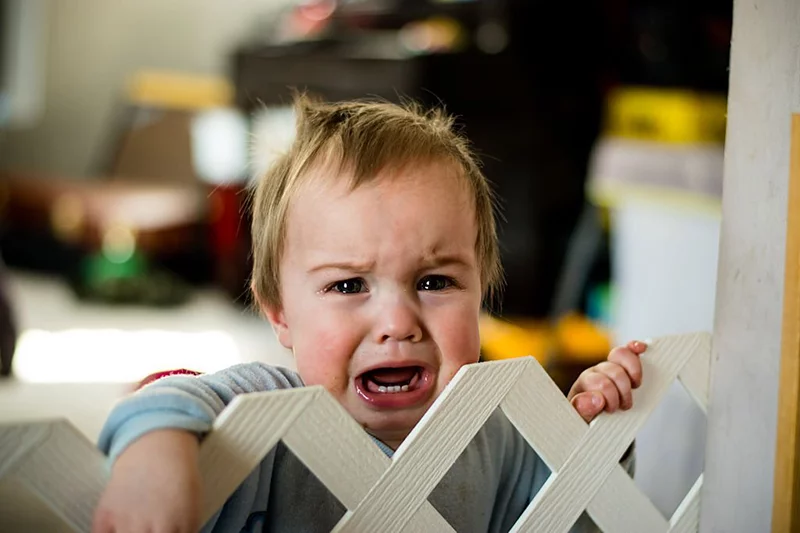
x=155 y=487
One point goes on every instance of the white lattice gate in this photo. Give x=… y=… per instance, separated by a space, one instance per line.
x=383 y=494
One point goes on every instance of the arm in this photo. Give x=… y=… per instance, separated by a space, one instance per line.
x=153 y=439
x=189 y=403
x=155 y=485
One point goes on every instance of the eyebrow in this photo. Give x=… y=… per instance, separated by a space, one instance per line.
x=361 y=267
x=350 y=266
x=435 y=261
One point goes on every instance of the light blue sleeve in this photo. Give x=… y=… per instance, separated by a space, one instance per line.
x=186 y=402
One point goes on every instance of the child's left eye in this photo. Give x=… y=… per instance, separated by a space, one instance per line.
x=349 y=286
x=434 y=283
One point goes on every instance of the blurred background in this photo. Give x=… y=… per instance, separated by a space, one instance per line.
x=126 y=135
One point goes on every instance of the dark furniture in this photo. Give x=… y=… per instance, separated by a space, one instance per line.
x=533 y=136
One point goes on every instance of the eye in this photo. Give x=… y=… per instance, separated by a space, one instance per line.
x=434 y=283
x=349 y=286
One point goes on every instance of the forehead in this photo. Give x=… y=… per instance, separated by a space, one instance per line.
x=413 y=207
x=328 y=181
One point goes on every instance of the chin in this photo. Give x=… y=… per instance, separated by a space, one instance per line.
x=392 y=426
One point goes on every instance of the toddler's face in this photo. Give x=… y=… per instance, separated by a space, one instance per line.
x=381 y=292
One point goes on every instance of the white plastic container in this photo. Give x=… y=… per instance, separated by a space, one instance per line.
x=665 y=212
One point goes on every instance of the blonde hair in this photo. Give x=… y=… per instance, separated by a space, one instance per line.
x=364 y=137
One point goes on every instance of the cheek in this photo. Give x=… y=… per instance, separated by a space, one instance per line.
x=323 y=350
x=458 y=339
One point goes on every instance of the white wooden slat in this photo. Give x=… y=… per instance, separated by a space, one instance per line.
x=541 y=414
x=333 y=446
x=18 y=440
x=686 y=518
x=433 y=445
x=242 y=435
x=64 y=471
x=345 y=459
x=620 y=507
x=553 y=429
x=554 y=441
x=64 y=464
x=696 y=375
x=569 y=491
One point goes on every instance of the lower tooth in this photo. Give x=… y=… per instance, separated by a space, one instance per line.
x=392 y=388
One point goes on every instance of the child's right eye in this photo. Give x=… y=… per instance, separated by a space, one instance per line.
x=349 y=286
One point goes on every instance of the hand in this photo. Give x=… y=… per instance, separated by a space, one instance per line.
x=155 y=487
x=608 y=385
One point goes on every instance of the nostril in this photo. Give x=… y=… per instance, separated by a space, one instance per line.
x=411 y=337
x=398 y=327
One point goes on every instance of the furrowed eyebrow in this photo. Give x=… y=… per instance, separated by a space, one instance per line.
x=361 y=267
x=349 y=266
x=436 y=261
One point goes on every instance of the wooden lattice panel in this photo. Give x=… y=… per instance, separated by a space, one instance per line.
x=383 y=494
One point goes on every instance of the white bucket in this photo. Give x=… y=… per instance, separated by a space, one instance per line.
x=664 y=249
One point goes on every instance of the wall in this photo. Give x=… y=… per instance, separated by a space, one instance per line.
x=93 y=45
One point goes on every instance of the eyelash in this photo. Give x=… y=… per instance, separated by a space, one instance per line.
x=332 y=286
x=448 y=283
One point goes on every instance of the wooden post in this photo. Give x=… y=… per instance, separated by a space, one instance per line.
x=786 y=507
x=742 y=418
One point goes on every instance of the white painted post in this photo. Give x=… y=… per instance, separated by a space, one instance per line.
x=764 y=91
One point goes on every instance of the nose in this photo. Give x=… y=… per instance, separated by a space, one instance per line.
x=398 y=320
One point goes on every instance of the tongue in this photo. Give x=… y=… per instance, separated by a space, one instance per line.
x=391 y=376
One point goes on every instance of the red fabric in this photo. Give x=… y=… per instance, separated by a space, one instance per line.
x=226 y=220
x=158 y=375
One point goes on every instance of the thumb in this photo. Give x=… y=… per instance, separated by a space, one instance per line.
x=588 y=404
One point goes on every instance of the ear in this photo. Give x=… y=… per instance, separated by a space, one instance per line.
x=277 y=320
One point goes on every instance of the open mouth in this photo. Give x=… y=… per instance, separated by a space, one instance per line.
x=392 y=380
x=394 y=387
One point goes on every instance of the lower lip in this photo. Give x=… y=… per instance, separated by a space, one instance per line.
x=397 y=400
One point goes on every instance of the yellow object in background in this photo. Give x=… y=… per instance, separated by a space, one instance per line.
x=666 y=115
x=581 y=339
x=574 y=337
x=432 y=35
x=501 y=339
x=174 y=90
